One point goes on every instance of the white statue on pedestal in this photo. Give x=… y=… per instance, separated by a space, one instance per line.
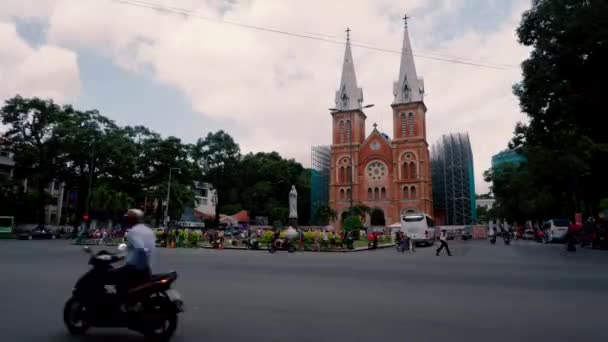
x=293 y=203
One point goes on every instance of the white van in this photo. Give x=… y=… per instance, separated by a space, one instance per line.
x=556 y=229
x=419 y=227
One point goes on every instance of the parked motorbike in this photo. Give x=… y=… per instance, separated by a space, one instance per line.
x=150 y=309
x=253 y=243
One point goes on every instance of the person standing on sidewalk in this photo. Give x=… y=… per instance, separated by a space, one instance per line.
x=443 y=239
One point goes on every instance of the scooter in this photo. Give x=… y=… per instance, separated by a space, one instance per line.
x=279 y=244
x=150 y=309
x=253 y=243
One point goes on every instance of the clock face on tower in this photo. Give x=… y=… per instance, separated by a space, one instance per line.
x=375 y=145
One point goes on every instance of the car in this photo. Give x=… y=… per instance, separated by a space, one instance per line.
x=38 y=233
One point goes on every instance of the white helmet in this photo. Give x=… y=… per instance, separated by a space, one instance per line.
x=136 y=213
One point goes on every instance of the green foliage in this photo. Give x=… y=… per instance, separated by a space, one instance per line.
x=266 y=237
x=279 y=214
x=130 y=165
x=309 y=237
x=353 y=223
x=325 y=214
x=565 y=141
x=231 y=209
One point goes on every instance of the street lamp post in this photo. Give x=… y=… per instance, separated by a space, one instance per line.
x=350 y=142
x=169 y=194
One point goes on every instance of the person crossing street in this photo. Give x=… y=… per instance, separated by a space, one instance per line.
x=443 y=239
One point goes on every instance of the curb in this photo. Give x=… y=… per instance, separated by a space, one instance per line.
x=360 y=249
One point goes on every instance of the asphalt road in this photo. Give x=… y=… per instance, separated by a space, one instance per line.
x=522 y=292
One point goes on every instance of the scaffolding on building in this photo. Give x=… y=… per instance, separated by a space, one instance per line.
x=453 y=179
x=319 y=179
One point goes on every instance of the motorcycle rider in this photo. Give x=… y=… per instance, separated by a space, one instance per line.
x=141 y=245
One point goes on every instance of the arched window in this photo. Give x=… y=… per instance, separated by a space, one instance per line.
x=413 y=173
x=405 y=171
x=341 y=132
x=403 y=125
x=370 y=195
x=383 y=193
x=406 y=192
x=376 y=193
x=349 y=174
x=348 y=194
x=410 y=124
x=341 y=177
x=342 y=194
x=348 y=129
x=413 y=192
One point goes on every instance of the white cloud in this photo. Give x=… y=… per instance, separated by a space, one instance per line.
x=279 y=87
x=46 y=71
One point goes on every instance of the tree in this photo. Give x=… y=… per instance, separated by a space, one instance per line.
x=325 y=215
x=353 y=223
x=279 y=214
x=109 y=204
x=561 y=92
x=32 y=136
x=217 y=155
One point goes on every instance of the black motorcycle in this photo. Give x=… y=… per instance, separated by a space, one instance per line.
x=150 y=309
x=252 y=243
x=281 y=244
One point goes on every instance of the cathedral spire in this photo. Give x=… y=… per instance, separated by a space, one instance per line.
x=349 y=96
x=408 y=88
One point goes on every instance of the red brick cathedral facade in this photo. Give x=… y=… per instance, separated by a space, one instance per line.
x=390 y=175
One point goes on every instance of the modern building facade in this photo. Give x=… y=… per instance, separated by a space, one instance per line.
x=391 y=176
x=507 y=157
x=454 y=180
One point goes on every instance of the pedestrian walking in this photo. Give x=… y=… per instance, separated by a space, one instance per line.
x=443 y=239
x=412 y=244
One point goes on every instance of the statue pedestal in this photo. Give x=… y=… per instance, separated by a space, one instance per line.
x=293 y=222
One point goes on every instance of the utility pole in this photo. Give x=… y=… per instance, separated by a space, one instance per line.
x=169 y=195
x=88 y=203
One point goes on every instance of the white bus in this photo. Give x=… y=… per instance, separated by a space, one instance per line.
x=419 y=227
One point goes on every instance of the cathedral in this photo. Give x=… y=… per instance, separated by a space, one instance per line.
x=390 y=175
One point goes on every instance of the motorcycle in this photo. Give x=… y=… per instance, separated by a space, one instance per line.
x=279 y=244
x=150 y=309
x=253 y=243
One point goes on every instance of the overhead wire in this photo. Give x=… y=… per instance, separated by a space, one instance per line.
x=307 y=35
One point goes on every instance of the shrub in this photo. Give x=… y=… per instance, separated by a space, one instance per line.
x=266 y=237
x=309 y=237
x=353 y=223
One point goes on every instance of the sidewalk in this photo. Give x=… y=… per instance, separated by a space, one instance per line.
x=333 y=250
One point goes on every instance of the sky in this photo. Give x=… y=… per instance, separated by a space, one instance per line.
x=187 y=75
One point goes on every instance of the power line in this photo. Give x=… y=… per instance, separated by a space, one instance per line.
x=308 y=35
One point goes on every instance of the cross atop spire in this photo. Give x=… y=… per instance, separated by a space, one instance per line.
x=375 y=125
x=349 y=96
x=405 y=18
